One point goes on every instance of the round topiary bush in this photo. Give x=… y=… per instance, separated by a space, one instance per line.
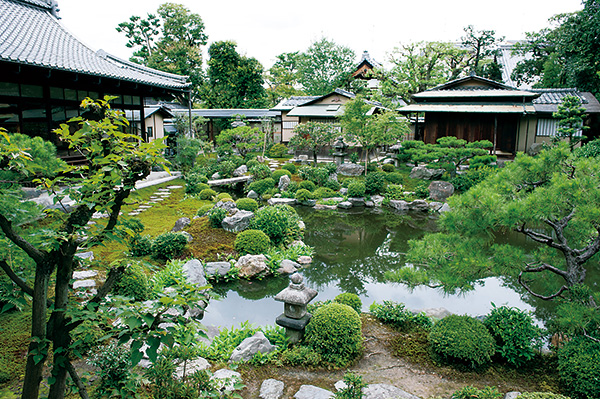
x=168 y=245
x=388 y=168
x=262 y=186
x=207 y=194
x=246 y=204
x=140 y=245
x=332 y=185
x=290 y=166
x=324 y=192
x=303 y=195
x=252 y=242
x=216 y=216
x=335 y=332
x=276 y=175
x=307 y=185
x=195 y=182
x=356 y=189
x=260 y=171
x=541 y=395
x=278 y=222
x=514 y=332
x=375 y=182
x=351 y=300
x=394 y=178
x=204 y=209
x=462 y=341
x=222 y=196
x=579 y=368
x=278 y=151
x=133 y=283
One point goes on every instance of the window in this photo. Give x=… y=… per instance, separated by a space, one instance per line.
x=149 y=131
x=289 y=125
x=549 y=127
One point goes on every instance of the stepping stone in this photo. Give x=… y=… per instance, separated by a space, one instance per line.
x=224 y=379
x=85 y=255
x=134 y=213
x=145 y=206
x=174 y=187
x=313 y=392
x=100 y=215
x=377 y=391
x=271 y=389
x=84 y=274
x=84 y=284
x=153 y=197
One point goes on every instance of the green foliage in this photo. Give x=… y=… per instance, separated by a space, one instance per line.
x=394 y=178
x=394 y=192
x=303 y=195
x=290 y=167
x=43 y=161
x=470 y=392
x=187 y=151
x=352 y=300
x=388 y=168
x=226 y=168
x=514 y=332
x=140 y=245
x=579 y=368
x=335 y=332
x=242 y=138
x=222 y=346
x=570 y=116
x=317 y=175
x=246 y=204
x=260 y=171
x=195 y=182
x=461 y=341
x=168 y=245
x=262 y=186
x=313 y=136
x=216 y=216
x=375 y=182
x=332 y=185
x=278 y=151
x=279 y=223
x=169 y=275
x=306 y=185
x=276 y=255
x=480 y=161
x=471 y=177
x=398 y=316
x=113 y=367
x=133 y=283
x=203 y=210
x=324 y=192
x=223 y=197
x=207 y=194
x=276 y=175
x=541 y=395
x=354 y=386
x=252 y=242
x=300 y=356
x=356 y=189
x=589 y=150
x=421 y=189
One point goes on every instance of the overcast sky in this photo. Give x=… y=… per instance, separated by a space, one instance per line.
x=265 y=28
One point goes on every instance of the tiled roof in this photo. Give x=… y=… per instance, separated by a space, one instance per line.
x=31 y=35
x=294 y=101
x=549 y=99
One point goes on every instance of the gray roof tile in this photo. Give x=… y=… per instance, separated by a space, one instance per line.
x=31 y=35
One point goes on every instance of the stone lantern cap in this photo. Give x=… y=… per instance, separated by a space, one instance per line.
x=296 y=293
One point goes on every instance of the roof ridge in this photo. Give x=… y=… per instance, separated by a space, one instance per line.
x=133 y=65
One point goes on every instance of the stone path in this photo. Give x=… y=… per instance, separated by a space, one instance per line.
x=160 y=195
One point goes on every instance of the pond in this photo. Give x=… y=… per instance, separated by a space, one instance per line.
x=353 y=250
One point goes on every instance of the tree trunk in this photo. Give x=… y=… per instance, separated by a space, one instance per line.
x=315 y=157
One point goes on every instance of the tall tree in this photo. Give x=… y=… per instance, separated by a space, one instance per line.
x=483 y=48
x=325 y=66
x=283 y=77
x=313 y=136
x=233 y=80
x=170 y=42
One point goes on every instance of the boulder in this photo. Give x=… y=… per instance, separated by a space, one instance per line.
x=224 y=379
x=439 y=207
x=241 y=171
x=305 y=260
x=385 y=391
x=217 y=268
x=345 y=205
x=85 y=255
x=343 y=191
x=419 y=205
x=357 y=201
x=249 y=347
x=238 y=221
x=512 y=395
x=252 y=266
x=377 y=199
x=440 y=190
x=194 y=272
x=423 y=172
x=310 y=202
x=288 y=267
x=322 y=207
x=312 y=392
x=350 y=169
x=181 y=224
x=187 y=235
x=271 y=389
x=535 y=149
x=284 y=182
x=285 y=201
x=253 y=194
x=399 y=205
x=215 y=176
x=229 y=206
x=191 y=367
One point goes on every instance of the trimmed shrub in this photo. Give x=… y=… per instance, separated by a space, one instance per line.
x=470 y=392
x=252 y=163
x=398 y=316
x=207 y=194
x=394 y=192
x=541 y=395
x=356 y=189
x=588 y=150
x=579 y=368
x=300 y=356
x=514 y=332
x=140 y=245
x=307 y=185
x=226 y=168
x=195 y=182
x=278 y=151
x=252 y=242
x=332 y=185
x=463 y=341
x=317 y=175
x=133 y=283
x=168 y=245
x=260 y=171
x=293 y=187
x=351 y=300
x=278 y=222
x=290 y=167
x=247 y=204
x=335 y=332
x=203 y=210
x=303 y=195
x=422 y=189
x=262 y=186
x=222 y=196
x=324 y=192
x=354 y=385
x=374 y=182
x=470 y=178
x=394 y=178
x=216 y=216
x=388 y=167
x=276 y=175
x=331 y=167
x=480 y=161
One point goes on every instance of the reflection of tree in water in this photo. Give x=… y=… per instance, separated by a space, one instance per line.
x=253 y=289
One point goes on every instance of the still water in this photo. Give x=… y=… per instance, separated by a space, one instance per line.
x=353 y=250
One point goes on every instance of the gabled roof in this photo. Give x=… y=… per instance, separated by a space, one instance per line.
x=30 y=34
x=549 y=99
x=294 y=101
x=134 y=115
x=341 y=92
x=248 y=113
x=476 y=83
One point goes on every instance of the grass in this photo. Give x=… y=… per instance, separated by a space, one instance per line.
x=14 y=340
x=210 y=244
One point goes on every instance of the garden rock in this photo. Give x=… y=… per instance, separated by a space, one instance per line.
x=384 y=391
x=284 y=182
x=229 y=206
x=377 y=199
x=194 y=271
x=304 y=260
x=237 y=222
x=333 y=177
x=225 y=379
x=241 y=171
x=350 y=169
x=84 y=274
x=249 y=347
x=419 y=205
x=191 y=367
x=369 y=204
x=357 y=201
x=84 y=284
x=343 y=191
x=440 y=190
x=215 y=176
x=399 y=205
x=313 y=392
x=310 y=202
x=288 y=267
x=271 y=389
x=188 y=236
x=439 y=207
x=535 y=149
x=252 y=194
x=85 y=255
x=303 y=158
x=512 y=395
x=217 y=268
x=322 y=207
x=423 y=172
x=181 y=224
x=284 y=201
x=252 y=266
x=345 y=205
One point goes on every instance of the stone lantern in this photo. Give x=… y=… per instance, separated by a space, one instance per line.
x=295 y=317
x=395 y=152
x=340 y=148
